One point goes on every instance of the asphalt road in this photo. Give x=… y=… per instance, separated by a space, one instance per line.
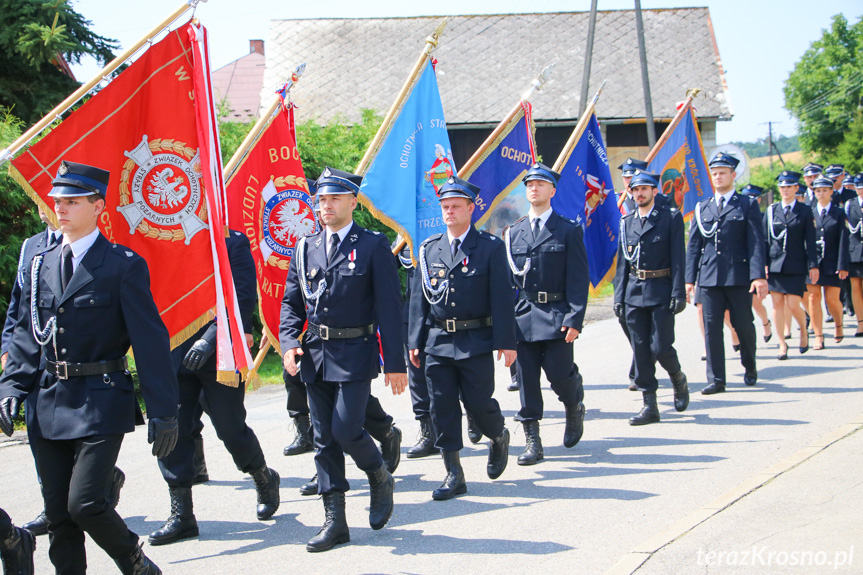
x=775 y=468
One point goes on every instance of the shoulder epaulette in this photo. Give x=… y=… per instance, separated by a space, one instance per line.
x=488 y=236
x=432 y=238
x=123 y=251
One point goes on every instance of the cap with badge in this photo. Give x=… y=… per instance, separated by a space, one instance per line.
x=79 y=180
x=812 y=169
x=752 y=191
x=541 y=172
x=834 y=170
x=630 y=166
x=335 y=182
x=455 y=187
x=723 y=160
x=822 y=181
x=642 y=178
x=858 y=181
x=788 y=178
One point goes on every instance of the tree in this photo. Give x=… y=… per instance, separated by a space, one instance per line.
x=824 y=90
x=38 y=38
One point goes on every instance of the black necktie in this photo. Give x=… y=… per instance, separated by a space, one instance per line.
x=537 y=224
x=54 y=239
x=787 y=209
x=66 y=267
x=643 y=219
x=455 y=244
x=721 y=203
x=334 y=247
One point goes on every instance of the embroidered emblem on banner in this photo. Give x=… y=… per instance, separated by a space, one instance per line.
x=160 y=194
x=287 y=217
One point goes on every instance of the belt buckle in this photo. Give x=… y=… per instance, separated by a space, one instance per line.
x=542 y=297
x=62 y=371
x=450 y=325
x=641 y=274
x=324 y=332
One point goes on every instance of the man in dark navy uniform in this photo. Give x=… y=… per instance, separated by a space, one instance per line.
x=548 y=262
x=417 y=383
x=32 y=246
x=811 y=171
x=727 y=248
x=344 y=281
x=16 y=547
x=649 y=291
x=461 y=311
x=195 y=364
x=92 y=302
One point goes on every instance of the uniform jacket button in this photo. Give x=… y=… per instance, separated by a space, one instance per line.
x=61 y=310
x=62 y=330
x=326 y=309
x=63 y=351
x=452 y=304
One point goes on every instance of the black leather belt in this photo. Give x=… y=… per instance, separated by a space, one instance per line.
x=540 y=296
x=452 y=325
x=65 y=369
x=326 y=332
x=650 y=274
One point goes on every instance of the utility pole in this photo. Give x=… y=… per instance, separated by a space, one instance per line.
x=645 y=80
x=771 y=145
x=588 y=57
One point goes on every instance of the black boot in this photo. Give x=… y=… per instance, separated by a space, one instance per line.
x=182 y=523
x=533 y=453
x=137 y=564
x=303 y=439
x=574 y=424
x=267 y=486
x=16 y=551
x=681 y=391
x=425 y=445
x=391 y=448
x=649 y=413
x=310 y=488
x=38 y=526
x=199 y=463
x=473 y=432
x=454 y=483
x=117 y=481
x=335 y=529
x=381 y=486
x=498 y=455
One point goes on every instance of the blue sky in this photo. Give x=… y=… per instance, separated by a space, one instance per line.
x=759 y=40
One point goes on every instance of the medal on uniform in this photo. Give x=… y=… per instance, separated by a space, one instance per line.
x=441 y=273
x=464 y=265
x=352 y=256
x=434 y=281
x=630 y=248
x=313 y=273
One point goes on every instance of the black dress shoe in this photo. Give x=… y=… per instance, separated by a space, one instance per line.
x=391 y=448
x=574 y=428
x=310 y=488
x=750 y=378
x=454 y=483
x=335 y=529
x=38 y=526
x=681 y=391
x=498 y=455
x=713 y=388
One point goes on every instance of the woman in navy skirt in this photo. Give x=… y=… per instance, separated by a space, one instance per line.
x=789 y=229
x=854 y=224
x=831 y=239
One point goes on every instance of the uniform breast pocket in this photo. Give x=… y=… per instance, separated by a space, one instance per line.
x=358 y=269
x=91 y=311
x=46 y=300
x=93 y=300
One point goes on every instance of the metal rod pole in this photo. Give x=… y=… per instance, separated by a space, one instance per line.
x=588 y=58
x=577 y=132
x=645 y=80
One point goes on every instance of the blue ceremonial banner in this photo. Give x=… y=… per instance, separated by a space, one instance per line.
x=499 y=171
x=583 y=194
x=682 y=167
x=414 y=161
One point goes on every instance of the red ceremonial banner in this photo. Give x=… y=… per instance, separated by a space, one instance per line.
x=269 y=194
x=142 y=129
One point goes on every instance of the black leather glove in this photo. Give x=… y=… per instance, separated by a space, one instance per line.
x=618 y=310
x=9 y=407
x=162 y=432
x=677 y=305
x=198 y=355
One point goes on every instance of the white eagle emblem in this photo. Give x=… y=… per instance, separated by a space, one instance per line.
x=292 y=222
x=164 y=193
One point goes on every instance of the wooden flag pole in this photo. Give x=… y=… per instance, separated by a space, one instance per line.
x=66 y=104
x=260 y=126
x=578 y=131
x=535 y=86
x=665 y=135
x=431 y=43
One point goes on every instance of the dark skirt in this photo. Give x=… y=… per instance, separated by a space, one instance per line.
x=855 y=270
x=826 y=280
x=793 y=284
